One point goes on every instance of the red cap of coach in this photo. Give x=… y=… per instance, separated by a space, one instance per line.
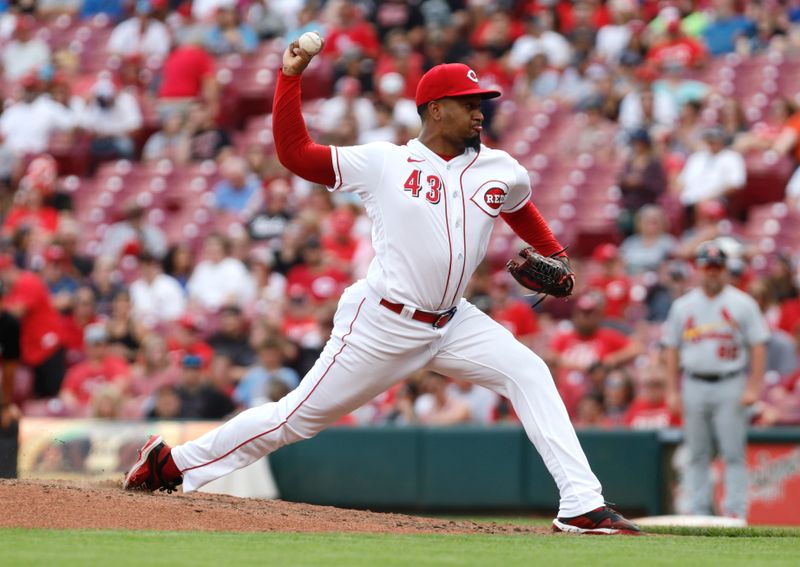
x=450 y=79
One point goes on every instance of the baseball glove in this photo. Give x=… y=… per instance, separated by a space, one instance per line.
x=550 y=275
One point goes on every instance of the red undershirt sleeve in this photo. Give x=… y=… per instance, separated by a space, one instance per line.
x=529 y=225
x=296 y=150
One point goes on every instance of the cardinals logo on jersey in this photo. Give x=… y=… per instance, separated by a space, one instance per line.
x=490 y=197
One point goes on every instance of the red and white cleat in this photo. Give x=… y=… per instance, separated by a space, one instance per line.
x=600 y=521
x=151 y=471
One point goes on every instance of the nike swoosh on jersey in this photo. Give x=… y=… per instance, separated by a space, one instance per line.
x=412 y=160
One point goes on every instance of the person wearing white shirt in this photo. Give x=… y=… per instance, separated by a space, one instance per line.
x=26 y=125
x=713 y=172
x=24 y=54
x=205 y=10
x=140 y=35
x=156 y=297
x=219 y=279
x=613 y=38
x=641 y=105
x=112 y=116
x=348 y=100
x=539 y=40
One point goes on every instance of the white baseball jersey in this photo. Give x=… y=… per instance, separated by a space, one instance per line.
x=431 y=218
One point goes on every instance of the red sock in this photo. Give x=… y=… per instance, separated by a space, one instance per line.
x=169 y=470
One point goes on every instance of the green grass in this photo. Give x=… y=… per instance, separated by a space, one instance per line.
x=84 y=548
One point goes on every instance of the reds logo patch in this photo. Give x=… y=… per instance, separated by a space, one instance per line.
x=494 y=198
x=491 y=196
x=472 y=76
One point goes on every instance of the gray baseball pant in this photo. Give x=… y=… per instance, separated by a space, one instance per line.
x=714 y=418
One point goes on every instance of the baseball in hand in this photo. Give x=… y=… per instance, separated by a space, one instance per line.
x=310 y=42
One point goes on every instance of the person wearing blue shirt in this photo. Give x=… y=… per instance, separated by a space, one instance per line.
x=229 y=35
x=258 y=384
x=239 y=189
x=725 y=27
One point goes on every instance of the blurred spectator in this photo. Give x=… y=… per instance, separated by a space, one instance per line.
x=642 y=179
x=644 y=108
x=61 y=285
x=617 y=397
x=239 y=190
x=403 y=110
x=350 y=32
x=41 y=338
x=788 y=142
x=269 y=224
x=651 y=245
x=25 y=54
x=188 y=75
x=536 y=78
x=26 y=125
x=218 y=279
x=172 y=142
x=732 y=118
x=302 y=328
x=100 y=368
x=576 y=350
x=104 y=284
x=133 y=236
x=713 y=172
x=229 y=34
x=107 y=402
x=725 y=28
x=765 y=134
x=537 y=39
x=649 y=409
x=347 y=101
x=124 y=334
x=112 y=117
x=264 y=18
x=257 y=385
x=687 y=137
x=481 y=401
x=338 y=242
x=514 y=314
x=611 y=280
x=672 y=282
x=199 y=399
x=674 y=47
x=614 y=37
x=179 y=263
x=680 y=90
x=437 y=405
x=321 y=281
x=185 y=338
x=232 y=339
x=708 y=219
x=207 y=140
x=781 y=352
x=204 y=10
x=153 y=368
x=156 y=297
x=142 y=34
x=32 y=212
x=80 y=312
x=166 y=403
x=67 y=237
x=590 y=411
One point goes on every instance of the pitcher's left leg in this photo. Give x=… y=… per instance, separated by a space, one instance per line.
x=476 y=348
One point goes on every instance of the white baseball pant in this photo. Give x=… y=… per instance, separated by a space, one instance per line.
x=370 y=349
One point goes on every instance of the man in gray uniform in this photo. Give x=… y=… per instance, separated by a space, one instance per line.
x=715 y=335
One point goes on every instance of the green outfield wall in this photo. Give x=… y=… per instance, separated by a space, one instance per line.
x=461 y=468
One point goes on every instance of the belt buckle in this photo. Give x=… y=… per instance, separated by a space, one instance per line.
x=444 y=318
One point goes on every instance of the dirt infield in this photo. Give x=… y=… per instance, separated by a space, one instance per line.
x=65 y=505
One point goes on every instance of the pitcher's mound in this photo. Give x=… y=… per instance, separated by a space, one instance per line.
x=69 y=505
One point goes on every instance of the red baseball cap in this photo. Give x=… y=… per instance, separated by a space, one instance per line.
x=605 y=252
x=450 y=79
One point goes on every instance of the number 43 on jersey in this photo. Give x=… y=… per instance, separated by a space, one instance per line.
x=414 y=184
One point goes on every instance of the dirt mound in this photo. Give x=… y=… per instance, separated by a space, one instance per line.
x=64 y=505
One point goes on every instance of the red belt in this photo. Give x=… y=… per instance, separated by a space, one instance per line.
x=437 y=320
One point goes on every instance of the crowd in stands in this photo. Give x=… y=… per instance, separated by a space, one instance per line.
x=210 y=288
